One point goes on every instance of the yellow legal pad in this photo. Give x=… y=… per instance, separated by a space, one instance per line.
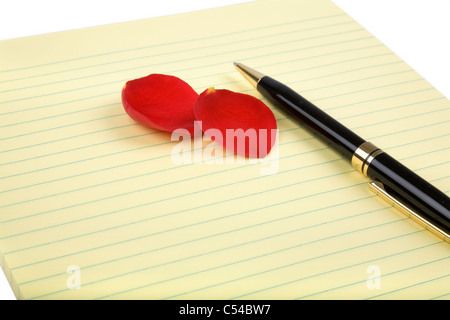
x=92 y=205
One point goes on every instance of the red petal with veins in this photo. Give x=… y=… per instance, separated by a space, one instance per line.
x=246 y=124
x=160 y=101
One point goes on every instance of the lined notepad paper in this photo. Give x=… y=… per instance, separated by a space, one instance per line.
x=93 y=207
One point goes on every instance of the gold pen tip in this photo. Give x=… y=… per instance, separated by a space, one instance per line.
x=249 y=74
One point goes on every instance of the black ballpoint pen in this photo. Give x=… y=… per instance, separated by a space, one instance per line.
x=395 y=183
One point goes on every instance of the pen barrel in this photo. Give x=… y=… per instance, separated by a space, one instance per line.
x=418 y=194
x=308 y=115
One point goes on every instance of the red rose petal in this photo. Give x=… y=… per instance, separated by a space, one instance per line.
x=160 y=101
x=224 y=109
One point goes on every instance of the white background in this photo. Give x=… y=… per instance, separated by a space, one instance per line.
x=416 y=30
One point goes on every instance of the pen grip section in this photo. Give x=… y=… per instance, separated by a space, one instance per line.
x=411 y=190
x=308 y=115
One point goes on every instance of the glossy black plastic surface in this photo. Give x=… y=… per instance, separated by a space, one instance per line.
x=419 y=194
x=398 y=180
x=317 y=121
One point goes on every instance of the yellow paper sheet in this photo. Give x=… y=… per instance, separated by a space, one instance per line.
x=92 y=205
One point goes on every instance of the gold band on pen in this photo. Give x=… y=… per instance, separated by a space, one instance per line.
x=364 y=155
x=361 y=160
